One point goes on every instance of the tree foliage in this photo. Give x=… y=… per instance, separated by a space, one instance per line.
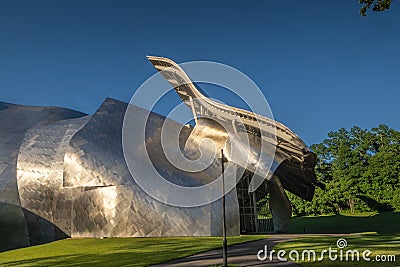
x=361 y=171
x=375 y=5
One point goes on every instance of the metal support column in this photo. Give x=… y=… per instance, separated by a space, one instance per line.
x=224 y=243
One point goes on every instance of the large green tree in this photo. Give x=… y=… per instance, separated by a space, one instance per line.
x=361 y=171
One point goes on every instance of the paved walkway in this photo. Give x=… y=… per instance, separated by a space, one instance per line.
x=244 y=254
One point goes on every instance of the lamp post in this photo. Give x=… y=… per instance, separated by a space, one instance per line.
x=224 y=243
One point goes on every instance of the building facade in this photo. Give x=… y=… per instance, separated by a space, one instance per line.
x=63 y=174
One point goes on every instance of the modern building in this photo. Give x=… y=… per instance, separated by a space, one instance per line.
x=63 y=174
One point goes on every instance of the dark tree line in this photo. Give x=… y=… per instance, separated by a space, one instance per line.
x=361 y=171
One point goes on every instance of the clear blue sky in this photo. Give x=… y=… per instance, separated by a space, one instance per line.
x=320 y=64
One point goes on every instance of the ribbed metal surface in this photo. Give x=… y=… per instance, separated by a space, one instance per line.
x=15 y=122
x=295 y=160
x=288 y=162
x=111 y=203
x=64 y=174
x=40 y=169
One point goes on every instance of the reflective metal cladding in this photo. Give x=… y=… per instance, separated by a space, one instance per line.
x=254 y=141
x=63 y=173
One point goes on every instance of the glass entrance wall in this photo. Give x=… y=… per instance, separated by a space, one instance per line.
x=255 y=216
x=264 y=215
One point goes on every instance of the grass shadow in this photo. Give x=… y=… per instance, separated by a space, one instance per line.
x=382 y=223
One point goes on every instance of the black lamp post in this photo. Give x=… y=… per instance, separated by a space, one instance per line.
x=224 y=243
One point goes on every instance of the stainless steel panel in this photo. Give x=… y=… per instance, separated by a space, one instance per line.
x=111 y=203
x=63 y=173
x=15 y=122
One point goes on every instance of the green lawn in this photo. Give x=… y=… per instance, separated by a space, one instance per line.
x=386 y=222
x=146 y=251
x=114 y=251
x=378 y=244
x=379 y=233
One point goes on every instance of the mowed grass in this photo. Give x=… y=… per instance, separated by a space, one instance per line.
x=378 y=244
x=148 y=251
x=115 y=251
x=379 y=233
x=386 y=222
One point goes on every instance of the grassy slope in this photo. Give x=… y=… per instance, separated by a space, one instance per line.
x=146 y=251
x=384 y=241
x=387 y=222
x=387 y=244
x=114 y=251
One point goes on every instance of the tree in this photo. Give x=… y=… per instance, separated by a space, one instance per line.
x=375 y=5
x=360 y=169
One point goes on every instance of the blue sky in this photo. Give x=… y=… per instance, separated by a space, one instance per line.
x=320 y=64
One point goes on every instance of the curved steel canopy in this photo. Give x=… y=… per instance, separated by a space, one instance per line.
x=296 y=170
